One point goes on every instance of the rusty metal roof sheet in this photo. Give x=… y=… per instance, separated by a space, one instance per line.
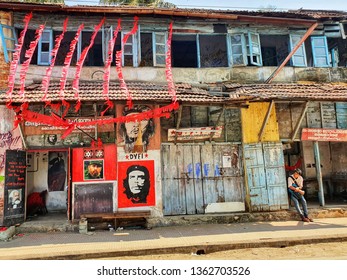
x=93 y=91
x=293 y=92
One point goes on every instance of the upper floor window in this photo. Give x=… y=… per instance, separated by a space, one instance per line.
x=45 y=47
x=8 y=40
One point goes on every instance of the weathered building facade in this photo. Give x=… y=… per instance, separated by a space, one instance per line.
x=250 y=89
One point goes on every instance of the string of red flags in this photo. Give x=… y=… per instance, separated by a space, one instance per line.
x=75 y=83
x=47 y=77
x=69 y=125
x=28 y=55
x=66 y=67
x=107 y=68
x=168 y=71
x=123 y=85
x=15 y=60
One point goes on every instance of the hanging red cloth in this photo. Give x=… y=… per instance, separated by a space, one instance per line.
x=107 y=68
x=80 y=62
x=15 y=60
x=66 y=67
x=47 y=77
x=123 y=85
x=169 y=77
x=295 y=166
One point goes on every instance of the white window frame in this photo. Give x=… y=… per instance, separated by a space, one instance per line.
x=156 y=53
x=40 y=61
x=107 y=35
x=134 y=47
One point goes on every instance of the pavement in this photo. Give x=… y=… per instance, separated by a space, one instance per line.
x=200 y=238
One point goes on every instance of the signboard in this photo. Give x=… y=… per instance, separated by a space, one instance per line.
x=195 y=133
x=15 y=174
x=33 y=128
x=323 y=134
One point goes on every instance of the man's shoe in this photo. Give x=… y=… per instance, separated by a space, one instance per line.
x=311 y=220
x=304 y=219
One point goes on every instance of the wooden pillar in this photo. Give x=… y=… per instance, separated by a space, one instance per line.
x=319 y=173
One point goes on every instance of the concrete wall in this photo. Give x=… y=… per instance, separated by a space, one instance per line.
x=200 y=75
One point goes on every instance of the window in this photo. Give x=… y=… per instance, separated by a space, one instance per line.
x=94 y=55
x=213 y=51
x=8 y=40
x=159 y=48
x=238 y=49
x=129 y=54
x=254 y=50
x=184 y=51
x=320 y=51
x=45 y=47
x=299 y=57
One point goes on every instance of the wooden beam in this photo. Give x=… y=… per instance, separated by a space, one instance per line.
x=261 y=133
x=303 y=39
x=217 y=123
x=297 y=126
x=178 y=121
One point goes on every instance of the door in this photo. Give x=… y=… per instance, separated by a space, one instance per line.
x=266 y=176
x=200 y=179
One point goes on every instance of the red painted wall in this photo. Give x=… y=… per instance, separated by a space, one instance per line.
x=109 y=168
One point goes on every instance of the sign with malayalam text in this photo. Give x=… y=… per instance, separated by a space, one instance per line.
x=194 y=133
x=323 y=134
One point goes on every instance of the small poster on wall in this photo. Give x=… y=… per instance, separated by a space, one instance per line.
x=136 y=184
x=93 y=169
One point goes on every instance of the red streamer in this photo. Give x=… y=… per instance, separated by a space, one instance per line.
x=123 y=85
x=80 y=62
x=47 y=77
x=169 y=77
x=107 y=68
x=15 y=59
x=67 y=62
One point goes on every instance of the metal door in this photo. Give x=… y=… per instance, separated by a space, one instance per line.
x=201 y=178
x=266 y=176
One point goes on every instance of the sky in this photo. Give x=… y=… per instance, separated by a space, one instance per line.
x=246 y=4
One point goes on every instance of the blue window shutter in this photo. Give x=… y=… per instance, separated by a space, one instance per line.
x=254 y=49
x=45 y=47
x=8 y=42
x=237 y=49
x=299 y=57
x=320 y=51
x=159 y=48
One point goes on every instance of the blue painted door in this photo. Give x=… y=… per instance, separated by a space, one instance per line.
x=266 y=178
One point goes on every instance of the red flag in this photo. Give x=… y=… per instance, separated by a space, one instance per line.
x=169 y=78
x=28 y=55
x=75 y=83
x=47 y=77
x=123 y=85
x=16 y=56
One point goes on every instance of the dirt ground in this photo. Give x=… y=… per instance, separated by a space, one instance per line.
x=320 y=251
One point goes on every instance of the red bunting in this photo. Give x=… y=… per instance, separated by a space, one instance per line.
x=47 y=77
x=16 y=56
x=123 y=85
x=67 y=63
x=28 y=55
x=107 y=68
x=169 y=78
x=75 y=83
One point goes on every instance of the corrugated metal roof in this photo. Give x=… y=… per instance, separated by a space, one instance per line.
x=93 y=91
x=317 y=92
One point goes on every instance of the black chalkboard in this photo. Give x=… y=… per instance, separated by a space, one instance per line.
x=15 y=175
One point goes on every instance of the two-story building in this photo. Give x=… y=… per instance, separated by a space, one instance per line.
x=178 y=111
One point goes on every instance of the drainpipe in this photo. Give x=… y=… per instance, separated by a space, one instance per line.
x=319 y=173
x=279 y=68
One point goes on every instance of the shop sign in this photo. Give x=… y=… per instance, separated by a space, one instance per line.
x=323 y=134
x=35 y=128
x=195 y=133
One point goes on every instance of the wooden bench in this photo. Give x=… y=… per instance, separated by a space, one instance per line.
x=123 y=218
